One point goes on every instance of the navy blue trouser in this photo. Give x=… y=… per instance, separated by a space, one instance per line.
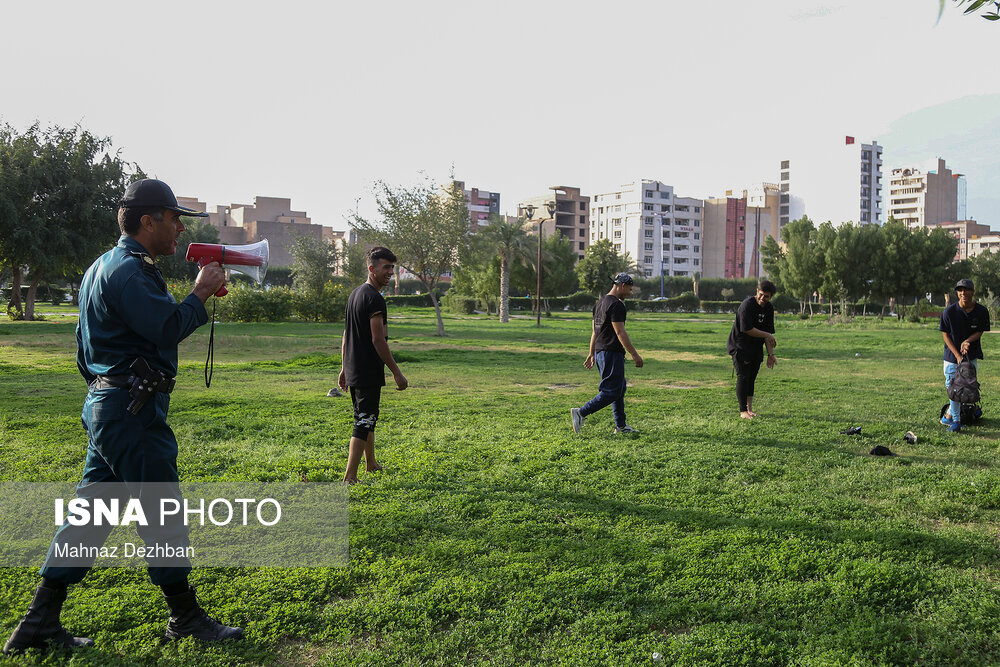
x=612 y=387
x=135 y=450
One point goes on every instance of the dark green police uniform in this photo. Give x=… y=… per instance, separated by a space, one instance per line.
x=126 y=312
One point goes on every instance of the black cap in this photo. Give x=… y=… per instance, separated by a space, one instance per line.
x=622 y=279
x=151 y=192
x=965 y=283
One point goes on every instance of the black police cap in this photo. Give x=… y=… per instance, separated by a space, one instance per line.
x=151 y=192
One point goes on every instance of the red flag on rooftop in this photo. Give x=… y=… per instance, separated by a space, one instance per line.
x=848 y=140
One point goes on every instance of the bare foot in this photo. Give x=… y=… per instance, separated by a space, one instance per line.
x=373 y=468
x=348 y=481
x=752 y=413
x=746 y=415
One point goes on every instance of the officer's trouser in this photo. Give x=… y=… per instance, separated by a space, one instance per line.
x=135 y=450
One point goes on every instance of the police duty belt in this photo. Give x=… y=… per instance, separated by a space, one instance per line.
x=141 y=383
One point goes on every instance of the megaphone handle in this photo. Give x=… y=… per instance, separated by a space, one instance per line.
x=205 y=262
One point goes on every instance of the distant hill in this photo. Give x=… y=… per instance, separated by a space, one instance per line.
x=966 y=133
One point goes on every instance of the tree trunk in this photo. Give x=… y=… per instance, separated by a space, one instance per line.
x=75 y=291
x=504 y=289
x=29 y=299
x=437 y=311
x=15 y=291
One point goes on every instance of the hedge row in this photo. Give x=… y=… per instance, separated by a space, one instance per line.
x=278 y=304
x=44 y=294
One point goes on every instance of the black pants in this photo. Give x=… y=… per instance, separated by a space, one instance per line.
x=747 y=366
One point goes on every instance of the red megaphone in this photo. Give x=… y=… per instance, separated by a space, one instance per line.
x=250 y=260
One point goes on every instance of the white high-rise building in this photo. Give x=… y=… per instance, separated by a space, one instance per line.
x=835 y=179
x=660 y=232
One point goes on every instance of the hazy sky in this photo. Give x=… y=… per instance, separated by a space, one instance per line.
x=316 y=101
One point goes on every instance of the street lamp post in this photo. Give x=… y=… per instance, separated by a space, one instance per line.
x=529 y=212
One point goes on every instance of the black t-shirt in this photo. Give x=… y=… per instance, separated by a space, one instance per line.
x=608 y=309
x=960 y=325
x=362 y=365
x=750 y=315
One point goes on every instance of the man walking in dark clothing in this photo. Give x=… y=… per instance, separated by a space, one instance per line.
x=128 y=316
x=752 y=331
x=962 y=327
x=608 y=344
x=365 y=354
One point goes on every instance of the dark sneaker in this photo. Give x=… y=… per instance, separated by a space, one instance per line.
x=577 y=419
x=625 y=429
x=955 y=427
x=946 y=420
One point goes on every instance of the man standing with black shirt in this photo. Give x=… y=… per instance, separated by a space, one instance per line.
x=962 y=325
x=752 y=331
x=365 y=354
x=608 y=343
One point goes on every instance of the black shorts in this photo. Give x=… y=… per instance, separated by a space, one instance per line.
x=365 y=400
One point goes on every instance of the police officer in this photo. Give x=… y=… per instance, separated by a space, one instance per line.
x=127 y=340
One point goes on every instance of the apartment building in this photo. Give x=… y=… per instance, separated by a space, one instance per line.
x=661 y=232
x=481 y=204
x=968 y=232
x=571 y=219
x=922 y=198
x=270 y=218
x=831 y=179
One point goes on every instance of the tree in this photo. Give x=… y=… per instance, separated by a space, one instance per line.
x=312 y=264
x=773 y=260
x=59 y=194
x=802 y=270
x=176 y=267
x=975 y=5
x=354 y=264
x=425 y=227
x=509 y=241
x=599 y=265
x=558 y=256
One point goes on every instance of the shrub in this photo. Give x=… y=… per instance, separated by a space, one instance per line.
x=720 y=306
x=459 y=303
x=327 y=306
x=413 y=300
x=785 y=303
x=687 y=302
x=581 y=300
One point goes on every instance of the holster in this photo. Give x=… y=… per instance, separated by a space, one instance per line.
x=141 y=383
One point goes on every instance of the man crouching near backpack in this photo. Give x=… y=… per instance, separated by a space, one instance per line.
x=962 y=325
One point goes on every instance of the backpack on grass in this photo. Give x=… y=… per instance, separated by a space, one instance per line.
x=964 y=386
x=971 y=412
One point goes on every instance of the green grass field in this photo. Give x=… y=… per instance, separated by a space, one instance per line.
x=498 y=536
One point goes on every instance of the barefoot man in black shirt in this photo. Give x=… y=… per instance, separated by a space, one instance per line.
x=365 y=354
x=752 y=331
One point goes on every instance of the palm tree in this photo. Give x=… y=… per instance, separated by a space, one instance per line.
x=510 y=240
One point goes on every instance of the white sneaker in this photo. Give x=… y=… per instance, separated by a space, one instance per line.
x=577 y=418
x=625 y=429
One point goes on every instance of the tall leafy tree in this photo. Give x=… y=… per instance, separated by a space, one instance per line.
x=773 y=260
x=425 y=227
x=353 y=263
x=802 y=272
x=59 y=201
x=599 y=265
x=509 y=240
x=313 y=261
x=558 y=257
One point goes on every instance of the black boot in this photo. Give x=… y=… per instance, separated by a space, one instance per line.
x=40 y=626
x=188 y=619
